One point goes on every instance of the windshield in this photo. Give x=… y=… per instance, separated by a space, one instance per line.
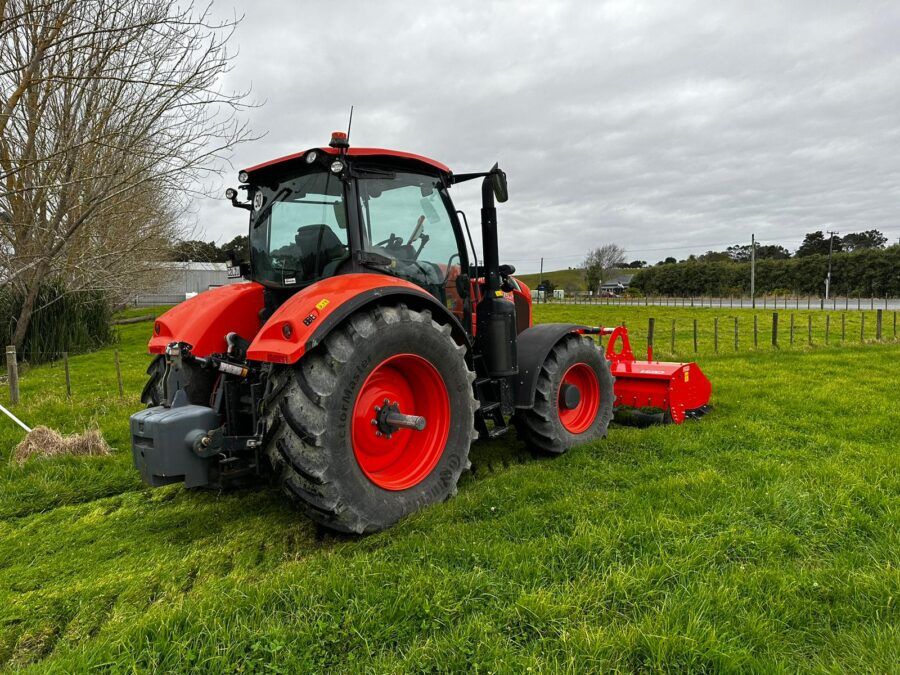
x=298 y=231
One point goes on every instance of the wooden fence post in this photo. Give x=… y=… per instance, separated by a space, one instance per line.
x=695 y=336
x=843 y=326
x=735 y=333
x=119 y=375
x=673 y=336
x=12 y=374
x=792 y=329
x=878 y=325
x=827 y=326
x=809 y=329
x=68 y=377
x=716 y=335
x=775 y=329
x=651 y=327
x=755 y=332
x=862 y=326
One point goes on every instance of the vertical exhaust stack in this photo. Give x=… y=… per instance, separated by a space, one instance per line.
x=496 y=316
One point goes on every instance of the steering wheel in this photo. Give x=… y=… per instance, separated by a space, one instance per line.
x=391 y=242
x=417 y=230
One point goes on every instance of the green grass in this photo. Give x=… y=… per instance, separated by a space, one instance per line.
x=762 y=538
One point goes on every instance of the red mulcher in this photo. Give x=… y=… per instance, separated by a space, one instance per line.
x=357 y=365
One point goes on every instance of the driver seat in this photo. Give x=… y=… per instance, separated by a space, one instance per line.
x=321 y=250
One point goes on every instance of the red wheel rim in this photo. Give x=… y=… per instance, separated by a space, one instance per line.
x=578 y=419
x=408 y=456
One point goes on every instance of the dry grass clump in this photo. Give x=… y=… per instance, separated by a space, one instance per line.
x=45 y=442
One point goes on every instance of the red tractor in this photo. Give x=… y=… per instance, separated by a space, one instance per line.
x=368 y=348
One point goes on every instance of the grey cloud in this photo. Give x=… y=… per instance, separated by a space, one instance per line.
x=663 y=127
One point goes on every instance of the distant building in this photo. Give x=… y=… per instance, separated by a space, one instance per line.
x=177 y=281
x=617 y=285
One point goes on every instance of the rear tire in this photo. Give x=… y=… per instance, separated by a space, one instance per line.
x=320 y=440
x=550 y=426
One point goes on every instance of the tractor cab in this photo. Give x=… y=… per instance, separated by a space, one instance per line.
x=338 y=210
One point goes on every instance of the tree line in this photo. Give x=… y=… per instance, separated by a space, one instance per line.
x=865 y=271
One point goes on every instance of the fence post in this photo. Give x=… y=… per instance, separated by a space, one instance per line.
x=12 y=374
x=878 y=325
x=673 y=336
x=895 y=324
x=695 y=336
x=651 y=326
x=792 y=329
x=775 y=329
x=862 y=326
x=843 y=326
x=755 y=332
x=827 y=326
x=809 y=329
x=68 y=378
x=716 y=335
x=119 y=375
x=735 y=333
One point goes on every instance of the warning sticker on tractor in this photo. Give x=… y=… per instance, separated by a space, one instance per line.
x=322 y=304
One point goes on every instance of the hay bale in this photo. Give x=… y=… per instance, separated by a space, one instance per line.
x=45 y=442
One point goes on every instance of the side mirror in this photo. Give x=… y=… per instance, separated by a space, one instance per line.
x=498 y=182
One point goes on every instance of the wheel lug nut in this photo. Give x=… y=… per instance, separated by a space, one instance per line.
x=374 y=423
x=378 y=433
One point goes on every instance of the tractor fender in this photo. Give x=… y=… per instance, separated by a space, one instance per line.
x=534 y=345
x=204 y=320
x=308 y=316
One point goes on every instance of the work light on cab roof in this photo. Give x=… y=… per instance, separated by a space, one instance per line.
x=368 y=346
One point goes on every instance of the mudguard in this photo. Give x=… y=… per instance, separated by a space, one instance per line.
x=204 y=320
x=534 y=345
x=304 y=320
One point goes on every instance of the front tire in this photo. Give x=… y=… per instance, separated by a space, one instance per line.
x=324 y=441
x=573 y=401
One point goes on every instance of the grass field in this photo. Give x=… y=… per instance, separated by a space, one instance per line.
x=764 y=537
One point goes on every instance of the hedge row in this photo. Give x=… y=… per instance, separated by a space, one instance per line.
x=873 y=272
x=64 y=322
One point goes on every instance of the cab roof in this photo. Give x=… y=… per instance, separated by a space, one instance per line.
x=358 y=152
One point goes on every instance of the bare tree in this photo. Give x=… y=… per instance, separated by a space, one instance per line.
x=111 y=113
x=600 y=261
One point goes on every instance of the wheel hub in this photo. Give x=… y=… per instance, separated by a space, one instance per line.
x=388 y=419
x=569 y=396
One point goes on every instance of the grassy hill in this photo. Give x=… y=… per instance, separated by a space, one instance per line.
x=762 y=538
x=560 y=278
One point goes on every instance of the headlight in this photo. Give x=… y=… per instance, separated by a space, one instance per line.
x=230 y=193
x=243 y=177
x=311 y=156
x=337 y=166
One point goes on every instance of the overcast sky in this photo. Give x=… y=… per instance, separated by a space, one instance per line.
x=666 y=127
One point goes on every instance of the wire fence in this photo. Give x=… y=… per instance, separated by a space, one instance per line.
x=807 y=302
x=774 y=331
x=671 y=337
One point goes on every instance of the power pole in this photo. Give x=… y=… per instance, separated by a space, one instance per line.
x=830 y=251
x=753 y=271
x=541 y=283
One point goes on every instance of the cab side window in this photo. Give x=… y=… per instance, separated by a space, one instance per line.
x=405 y=219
